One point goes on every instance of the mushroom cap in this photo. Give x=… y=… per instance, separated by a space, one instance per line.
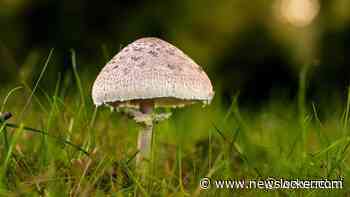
x=151 y=69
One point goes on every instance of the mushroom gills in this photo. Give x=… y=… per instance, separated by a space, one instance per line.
x=166 y=102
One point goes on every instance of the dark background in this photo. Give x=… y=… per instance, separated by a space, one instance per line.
x=243 y=45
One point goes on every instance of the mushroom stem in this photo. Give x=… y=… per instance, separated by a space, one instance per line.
x=146 y=107
x=146 y=119
x=144 y=142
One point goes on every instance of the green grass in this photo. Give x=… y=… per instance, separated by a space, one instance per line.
x=59 y=144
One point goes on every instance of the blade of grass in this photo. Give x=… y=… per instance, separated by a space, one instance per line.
x=314 y=108
x=4 y=132
x=44 y=133
x=90 y=141
x=132 y=158
x=8 y=96
x=102 y=167
x=323 y=140
x=77 y=190
x=132 y=176
x=346 y=118
x=14 y=139
x=35 y=86
x=217 y=165
x=5 y=135
x=302 y=109
x=220 y=133
x=210 y=149
x=332 y=146
x=35 y=98
x=77 y=78
x=91 y=131
x=231 y=108
x=45 y=144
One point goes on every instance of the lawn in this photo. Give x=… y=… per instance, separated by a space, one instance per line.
x=58 y=144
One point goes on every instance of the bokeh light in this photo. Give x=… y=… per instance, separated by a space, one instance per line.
x=299 y=13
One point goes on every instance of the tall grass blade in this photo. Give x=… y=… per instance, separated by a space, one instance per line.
x=35 y=86
x=77 y=78
x=44 y=133
x=5 y=164
x=347 y=110
x=8 y=97
x=302 y=108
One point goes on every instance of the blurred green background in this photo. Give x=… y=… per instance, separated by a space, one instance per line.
x=255 y=47
x=259 y=125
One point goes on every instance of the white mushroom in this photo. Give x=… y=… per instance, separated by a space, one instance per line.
x=150 y=73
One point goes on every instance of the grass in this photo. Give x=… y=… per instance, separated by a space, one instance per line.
x=59 y=144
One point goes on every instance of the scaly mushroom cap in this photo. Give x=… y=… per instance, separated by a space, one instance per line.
x=151 y=69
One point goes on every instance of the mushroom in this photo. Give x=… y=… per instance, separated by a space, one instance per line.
x=147 y=74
